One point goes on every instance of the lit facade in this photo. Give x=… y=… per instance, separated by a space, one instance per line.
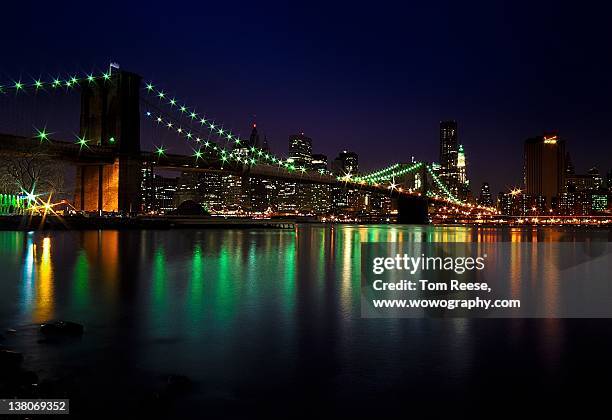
x=485 y=198
x=449 y=155
x=300 y=150
x=544 y=167
x=347 y=162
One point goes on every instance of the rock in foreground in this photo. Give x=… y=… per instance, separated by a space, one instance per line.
x=62 y=328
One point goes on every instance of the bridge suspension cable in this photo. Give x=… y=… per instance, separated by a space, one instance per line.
x=394 y=171
x=39 y=85
x=248 y=156
x=198 y=118
x=449 y=195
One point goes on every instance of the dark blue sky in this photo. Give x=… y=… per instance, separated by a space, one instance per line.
x=374 y=77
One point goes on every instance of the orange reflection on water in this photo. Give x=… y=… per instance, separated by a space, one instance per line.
x=44 y=300
x=102 y=249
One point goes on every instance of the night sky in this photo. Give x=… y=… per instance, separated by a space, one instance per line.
x=374 y=78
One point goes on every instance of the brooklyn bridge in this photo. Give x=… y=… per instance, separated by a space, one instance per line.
x=109 y=157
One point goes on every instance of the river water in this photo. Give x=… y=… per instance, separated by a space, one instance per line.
x=267 y=322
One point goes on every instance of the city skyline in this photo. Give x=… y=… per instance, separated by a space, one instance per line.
x=113 y=103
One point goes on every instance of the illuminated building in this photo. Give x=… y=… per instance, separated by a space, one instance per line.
x=260 y=192
x=567 y=203
x=233 y=193
x=584 y=194
x=222 y=193
x=313 y=198
x=345 y=200
x=435 y=167
x=147 y=192
x=374 y=207
x=211 y=191
x=461 y=163
x=319 y=162
x=516 y=203
x=157 y=191
x=187 y=188
x=286 y=197
x=599 y=202
x=449 y=155
x=485 y=198
x=544 y=167
x=579 y=182
x=253 y=141
x=300 y=150
x=346 y=163
x=463 y=189
x=597 y=178
x=164 y=190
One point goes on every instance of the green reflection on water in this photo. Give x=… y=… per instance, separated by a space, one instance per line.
x=80 y=289
x=160 y=275
x=195 y=296
x=223 y=291
x=289 y=273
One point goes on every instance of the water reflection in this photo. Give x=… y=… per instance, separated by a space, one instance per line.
x=220 y=274
x=230 y=307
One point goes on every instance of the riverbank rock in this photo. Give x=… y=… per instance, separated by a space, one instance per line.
x=62 y=328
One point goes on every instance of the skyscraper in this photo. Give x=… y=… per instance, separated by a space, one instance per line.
x=253 y=141
x=463 y=189
x=319 y=162
x=544 y=167
x=300 y=149
x=485 y=198
x=346 y=163
x=449 y=155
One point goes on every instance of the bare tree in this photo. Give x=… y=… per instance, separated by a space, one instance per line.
x=30 y=171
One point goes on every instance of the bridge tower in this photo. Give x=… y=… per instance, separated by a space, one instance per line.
x=110 y=116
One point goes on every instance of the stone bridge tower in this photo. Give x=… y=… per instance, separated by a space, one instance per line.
x=110 y=117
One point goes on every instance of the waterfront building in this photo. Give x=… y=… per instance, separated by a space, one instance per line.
x=286 y=197
x=211 y=191
x=147 y=192
x=157 y=192
x=599 y=202
x=187 y=188
x=544 y=167
x=164 y=191
x=260 y=192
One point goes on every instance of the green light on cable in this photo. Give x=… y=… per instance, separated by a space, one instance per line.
x=82 y=142
x=42 y=135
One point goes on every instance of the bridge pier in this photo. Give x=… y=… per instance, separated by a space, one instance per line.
x=110 y=187
x=412 y=210
x=110 y=116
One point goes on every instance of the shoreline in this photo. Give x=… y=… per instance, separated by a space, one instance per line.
x=27 y=223
x=41 y=223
